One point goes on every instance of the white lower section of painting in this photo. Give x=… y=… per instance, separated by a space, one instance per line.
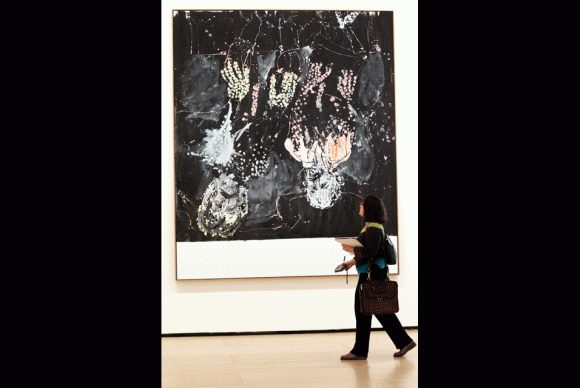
x=263 y=258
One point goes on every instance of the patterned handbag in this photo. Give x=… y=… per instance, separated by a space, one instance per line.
x=378 y=296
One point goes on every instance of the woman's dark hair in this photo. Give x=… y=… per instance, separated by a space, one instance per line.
x=374 y=210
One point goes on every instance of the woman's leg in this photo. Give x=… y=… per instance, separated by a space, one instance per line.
x=395 y=330
x=363 y=325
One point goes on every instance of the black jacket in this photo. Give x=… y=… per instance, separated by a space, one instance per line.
x=373 y=241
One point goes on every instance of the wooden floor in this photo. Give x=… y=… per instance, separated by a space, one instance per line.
x=285 y=361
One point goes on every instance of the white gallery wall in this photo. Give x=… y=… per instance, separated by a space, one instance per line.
x=303 y=302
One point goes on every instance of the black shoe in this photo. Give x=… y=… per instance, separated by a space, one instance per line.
x=404 y=350
x=351 y=356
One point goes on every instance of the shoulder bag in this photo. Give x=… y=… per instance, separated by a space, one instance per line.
x=378 y=296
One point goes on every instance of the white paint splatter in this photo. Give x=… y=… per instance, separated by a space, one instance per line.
x=219 y=143
x=323 y=188
x=348 y=19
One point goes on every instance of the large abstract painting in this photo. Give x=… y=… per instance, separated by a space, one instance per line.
x=284 y=122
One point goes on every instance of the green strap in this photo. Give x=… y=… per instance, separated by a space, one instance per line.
x=372 y=225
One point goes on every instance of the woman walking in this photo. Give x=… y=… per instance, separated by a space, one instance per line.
x=373 y=237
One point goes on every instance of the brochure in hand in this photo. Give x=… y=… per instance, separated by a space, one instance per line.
x=353 y=242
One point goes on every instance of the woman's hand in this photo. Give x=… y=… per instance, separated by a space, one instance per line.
x=349 y=264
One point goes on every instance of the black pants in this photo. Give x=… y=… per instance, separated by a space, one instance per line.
x=390 y=322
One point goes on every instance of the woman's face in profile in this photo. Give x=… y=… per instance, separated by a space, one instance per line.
x=361 y=211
